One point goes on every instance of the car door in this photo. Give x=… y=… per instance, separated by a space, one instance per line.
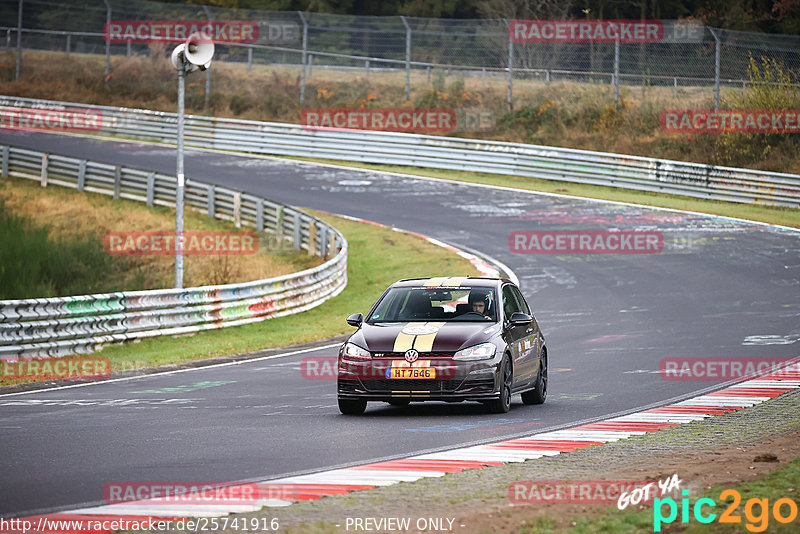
x=529 y=341
x=515 y=336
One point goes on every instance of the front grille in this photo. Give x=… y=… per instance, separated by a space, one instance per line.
x=401 y=355
x=434 y=386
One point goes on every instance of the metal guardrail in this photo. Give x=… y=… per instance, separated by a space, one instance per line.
x=570 y=165
x=79 y=324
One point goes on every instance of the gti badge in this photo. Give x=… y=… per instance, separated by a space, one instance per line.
x=411 y=355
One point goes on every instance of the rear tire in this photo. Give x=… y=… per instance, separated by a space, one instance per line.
x=503 y=403
x=352 y=406
x=539 y=393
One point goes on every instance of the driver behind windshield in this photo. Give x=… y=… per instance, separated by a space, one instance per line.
x=479 y=302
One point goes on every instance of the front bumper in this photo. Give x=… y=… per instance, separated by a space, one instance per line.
x=455 y=381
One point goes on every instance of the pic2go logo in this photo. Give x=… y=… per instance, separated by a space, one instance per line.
x=756 y=511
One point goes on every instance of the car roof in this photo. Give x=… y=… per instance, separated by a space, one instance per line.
x=451 y=281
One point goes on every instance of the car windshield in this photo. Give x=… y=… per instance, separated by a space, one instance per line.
x=436 y=304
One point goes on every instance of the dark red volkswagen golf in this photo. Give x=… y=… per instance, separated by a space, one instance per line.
x=444 y=339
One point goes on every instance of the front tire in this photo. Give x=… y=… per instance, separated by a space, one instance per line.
x=503 y=403
x=352 y=406
x=539 y=393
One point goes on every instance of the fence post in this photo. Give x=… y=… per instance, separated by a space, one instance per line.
x=408 y=58
x=237 y=209
x=6 y=155
x=81 y=175
x=312 y=237
x=259 y=215
x=323 y=249
x=19 y=40
x=616 y=69
x=717 y=51
x=310 y=64
x=305 y=53
x=128 y=48
x=366 y=68
x=297 y=228
x=208 y=71
x=151 y=188
x=108 y=44
x=212 y=208
x=117 y=181
x=68 y=43
x=249 y=58
x=44 y=170
x=279 y=223
x=510 y=96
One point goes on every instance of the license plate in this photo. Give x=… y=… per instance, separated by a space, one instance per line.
x=418 y=373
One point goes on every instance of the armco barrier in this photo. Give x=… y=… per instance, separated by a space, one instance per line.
x=581 y=166
x=69 y=325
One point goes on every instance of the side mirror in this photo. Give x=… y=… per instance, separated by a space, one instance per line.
x=519 y=319
x=355 y=320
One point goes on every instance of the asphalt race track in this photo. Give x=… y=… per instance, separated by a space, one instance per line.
x=718 y=289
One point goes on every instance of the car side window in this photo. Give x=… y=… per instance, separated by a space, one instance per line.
x=524 y=308
x=510 y=304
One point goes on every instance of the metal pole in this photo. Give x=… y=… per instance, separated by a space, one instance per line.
x=180 y=185
x=249 y=58
x=208 y=71
x=19 y=40
x=68 y=43
x=108 y=44
x=509 y=98
x=408 y=58
x=716 y=67
x=616 y=69
x=305 y=53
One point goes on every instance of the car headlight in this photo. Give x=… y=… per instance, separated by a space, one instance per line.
x=354 y=352
x=484 y=351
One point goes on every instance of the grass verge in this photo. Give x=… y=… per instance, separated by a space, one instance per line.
x=53 y=245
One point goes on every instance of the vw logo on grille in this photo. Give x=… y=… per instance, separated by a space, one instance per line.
x=411 y=355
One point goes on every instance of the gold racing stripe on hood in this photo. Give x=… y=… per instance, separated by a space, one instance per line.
x=434 y=282
x=403 y=341
x=424 y=343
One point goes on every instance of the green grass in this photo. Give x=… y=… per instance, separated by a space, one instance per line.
x=768 y=214
x=34 y=265
x=377 y=257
